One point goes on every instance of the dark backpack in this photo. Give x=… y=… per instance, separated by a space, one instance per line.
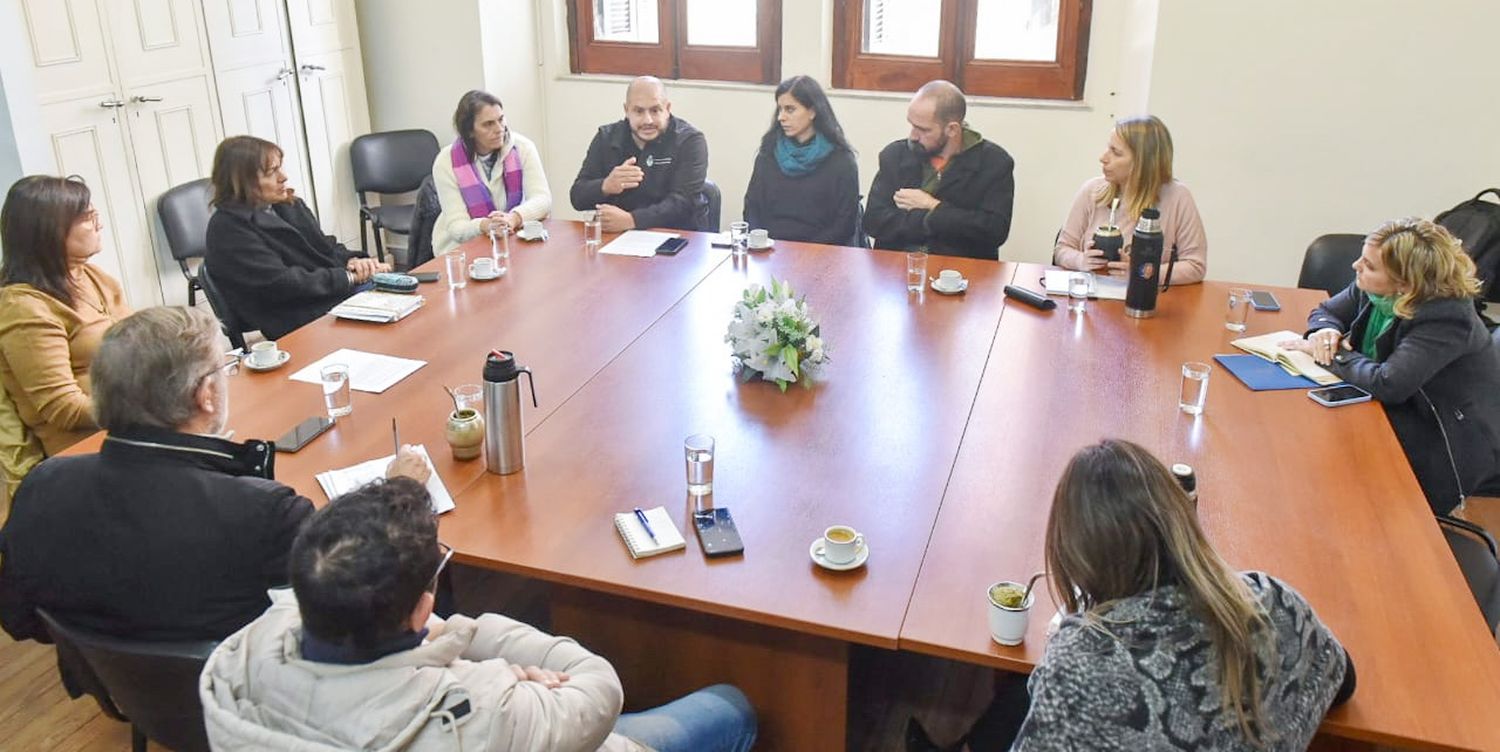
x=1477 y=223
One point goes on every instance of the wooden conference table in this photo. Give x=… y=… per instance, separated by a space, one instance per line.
x=938 y=431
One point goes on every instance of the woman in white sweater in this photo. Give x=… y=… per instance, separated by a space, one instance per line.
x=489 y=178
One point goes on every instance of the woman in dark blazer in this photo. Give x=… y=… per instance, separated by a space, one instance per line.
x=1407 y=331
x=266 y=253
x=805 y=184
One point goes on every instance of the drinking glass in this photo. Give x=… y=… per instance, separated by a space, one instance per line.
x=1194 y=388
x=1239 y=309
x=593 y=233
x=500 y=249
x=1079 y=286
x=739 y=237
x=916 y=271
x=335 y=378
x=456 y=264
x=699 y=452
x=470 y=396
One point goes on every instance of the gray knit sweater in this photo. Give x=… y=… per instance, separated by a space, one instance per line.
x=1152 y=681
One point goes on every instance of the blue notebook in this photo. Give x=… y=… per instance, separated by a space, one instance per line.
x=1261 y=375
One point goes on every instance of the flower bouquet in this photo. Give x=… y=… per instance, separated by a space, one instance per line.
x=775 y=336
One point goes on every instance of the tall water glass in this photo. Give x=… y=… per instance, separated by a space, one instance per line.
x=699 y=452
x=1239 y=309
x=916 y=271
x=500 y=249
x=739 y=237
x=1194 y=388
x=1079 y=286
x=335 y=378
x=456 y=264
x=593 y=233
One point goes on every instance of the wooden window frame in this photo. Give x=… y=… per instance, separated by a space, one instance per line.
x=671 y=57
x=1063 y=78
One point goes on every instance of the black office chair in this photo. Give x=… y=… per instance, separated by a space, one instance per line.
x=1476 y=552
x=713 y=200
x=153 y=684
x=419 y=244
x=389 y=162
x=184 y=211
x=234 y=327
x=1327 y=264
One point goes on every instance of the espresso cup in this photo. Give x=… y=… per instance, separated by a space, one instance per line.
x=484 y=266
x=1008 y=623
x=950 y=278
x=264 y=354
x=841 y=544
x=760 y=238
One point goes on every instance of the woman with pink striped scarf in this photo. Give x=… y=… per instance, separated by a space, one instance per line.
x=490 y=178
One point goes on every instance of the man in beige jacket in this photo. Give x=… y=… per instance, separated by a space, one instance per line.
x=356 y=659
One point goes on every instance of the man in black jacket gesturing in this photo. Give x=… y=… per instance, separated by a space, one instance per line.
x=646 y=170
x=944 y=189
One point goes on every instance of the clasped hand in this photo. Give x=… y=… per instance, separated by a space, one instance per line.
x=915 y=198
x=364 y=268
x=1322 y=345
x=498 y=220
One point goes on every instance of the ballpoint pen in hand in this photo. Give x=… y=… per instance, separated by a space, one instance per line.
x=395 y=436
x=642 y=517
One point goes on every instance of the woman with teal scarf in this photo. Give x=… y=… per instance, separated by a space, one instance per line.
x=1408 y=332
x=805 y=185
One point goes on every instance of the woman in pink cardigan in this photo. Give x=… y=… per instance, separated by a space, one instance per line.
x=1137 y=167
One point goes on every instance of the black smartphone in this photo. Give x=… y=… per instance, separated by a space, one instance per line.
x=1336 y=396
x=303 y=434
x=671 y=246
x=426 y=277
x=1262 y=300
x=717 y=533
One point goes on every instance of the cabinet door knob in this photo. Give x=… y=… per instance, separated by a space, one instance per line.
x=110 y=104
x=145 y=98
x=282 y=74
x=310 y=67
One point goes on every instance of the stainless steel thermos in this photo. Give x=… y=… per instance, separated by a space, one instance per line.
x=504 y=452
x=1145 y=265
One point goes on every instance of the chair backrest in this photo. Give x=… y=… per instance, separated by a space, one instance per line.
x=1475 y=550
x=1327 y=263
x=419 y=243
x=713 y=200
x=154 y=684
x=234 y=326
x=184 y=211
x=392 y=161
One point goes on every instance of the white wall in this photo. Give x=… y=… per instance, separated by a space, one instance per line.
x=1292 y=119
x=419 y=58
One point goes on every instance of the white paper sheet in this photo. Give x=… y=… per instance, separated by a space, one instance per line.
x=1105 y=287
x=640 y=243
x=368 y=372
x=336 y=483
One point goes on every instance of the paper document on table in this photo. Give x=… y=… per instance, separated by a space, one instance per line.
x=1295 y=362
x=336 y=483
x=640 y=243
x=368 y=372
x=1104 y=287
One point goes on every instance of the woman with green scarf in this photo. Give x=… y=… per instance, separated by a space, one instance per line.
x=805 y=185
x=1408 y=332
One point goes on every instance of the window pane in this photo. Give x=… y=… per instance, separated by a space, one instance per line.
x=1016 y=30
x=902 y=27
x=625 y=21
x=721 y=23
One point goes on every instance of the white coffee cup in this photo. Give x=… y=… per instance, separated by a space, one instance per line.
x=1008 y=623
x=532 y=227
x=483 y=266
x=264 y=354
x=841 y=544
x=760 y=238
x=950 y=278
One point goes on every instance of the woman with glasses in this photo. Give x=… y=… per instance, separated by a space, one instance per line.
x=267 y=255
x=54 y=308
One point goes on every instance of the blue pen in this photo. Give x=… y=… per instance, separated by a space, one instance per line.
x=642 y=517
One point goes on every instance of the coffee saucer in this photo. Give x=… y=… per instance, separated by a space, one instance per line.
x=860 y=556
x=963 y=284
x=768 y=246
x=484 y=277
x=538 y=235
x=282 y=356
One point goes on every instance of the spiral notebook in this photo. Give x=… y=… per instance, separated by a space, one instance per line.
x=668 y=537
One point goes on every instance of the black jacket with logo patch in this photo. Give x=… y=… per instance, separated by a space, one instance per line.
x=675 y=163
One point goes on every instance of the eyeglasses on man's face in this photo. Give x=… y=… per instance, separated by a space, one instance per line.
x=443 y=562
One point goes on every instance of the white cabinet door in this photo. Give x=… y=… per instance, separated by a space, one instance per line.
x=335 y=111
x=260 y=100
x=68 y=51
x=156 y=40
x=90 y=141
x=246 y=32
x=322 y=26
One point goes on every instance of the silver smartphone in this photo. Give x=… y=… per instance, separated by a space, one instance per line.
x=1338 y=396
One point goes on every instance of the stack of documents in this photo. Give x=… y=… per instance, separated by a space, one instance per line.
x=368 y=372
x=1294 y=362
x=641 y=243
x=336 y=483
x=380 y=307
